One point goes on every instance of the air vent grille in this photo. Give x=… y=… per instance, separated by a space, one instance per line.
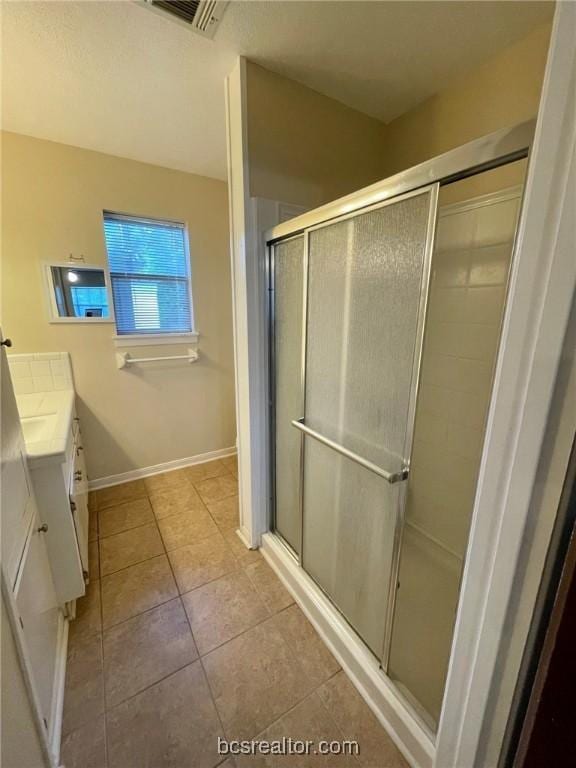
x=182 y=9
x=203 y=16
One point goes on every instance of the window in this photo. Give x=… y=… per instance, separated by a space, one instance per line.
x=150 y=275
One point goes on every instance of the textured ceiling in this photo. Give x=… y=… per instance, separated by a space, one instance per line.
x=114 y=77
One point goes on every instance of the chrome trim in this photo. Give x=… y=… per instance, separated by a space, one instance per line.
x=271 y=305
x=410 y=420
x=271 y=283
x=498 y=148
x=391 y=477
x=303 y=369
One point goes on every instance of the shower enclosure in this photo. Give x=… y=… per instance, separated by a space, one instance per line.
x=384 y=319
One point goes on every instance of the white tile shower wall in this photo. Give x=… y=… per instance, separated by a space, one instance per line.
x=40 y=372
x=469 y=275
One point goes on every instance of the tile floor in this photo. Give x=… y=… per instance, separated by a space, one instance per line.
x=184 y=635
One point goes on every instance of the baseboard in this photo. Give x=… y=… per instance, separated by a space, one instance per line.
x=136 y=474
x=57 y=705
x=411 y=737
x=242 y=534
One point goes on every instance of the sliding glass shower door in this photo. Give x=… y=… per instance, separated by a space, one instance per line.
x=349 y=303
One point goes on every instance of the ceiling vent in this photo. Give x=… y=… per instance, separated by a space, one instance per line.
x=202 y=16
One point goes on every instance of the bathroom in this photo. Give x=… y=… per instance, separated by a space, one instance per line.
x=250 y=369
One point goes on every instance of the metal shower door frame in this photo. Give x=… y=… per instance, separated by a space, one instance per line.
x=486 y=153
x=400 y=476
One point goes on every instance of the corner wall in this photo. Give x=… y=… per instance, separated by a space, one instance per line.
x=306 y=148
x=52 y=203
x=503 y=91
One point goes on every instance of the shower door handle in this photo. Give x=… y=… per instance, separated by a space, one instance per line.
x=391 y=477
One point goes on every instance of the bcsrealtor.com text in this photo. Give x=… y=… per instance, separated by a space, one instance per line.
x=287 y=746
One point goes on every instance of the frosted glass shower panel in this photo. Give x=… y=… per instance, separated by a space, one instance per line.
x=365 y=280
x=288 y=288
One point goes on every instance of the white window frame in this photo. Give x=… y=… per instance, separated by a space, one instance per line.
x=152 y=339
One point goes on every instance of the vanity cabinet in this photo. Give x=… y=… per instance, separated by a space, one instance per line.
x=62 y=493
x=34 y=624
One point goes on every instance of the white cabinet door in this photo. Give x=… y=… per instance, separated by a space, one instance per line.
x=16 y=502
x=40 y=617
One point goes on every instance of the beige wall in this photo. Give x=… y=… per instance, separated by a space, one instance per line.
x=305 y=148
x=52 y=201
x=308 y=149
x=503 y=91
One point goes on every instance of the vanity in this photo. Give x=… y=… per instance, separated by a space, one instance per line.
x=55 y=458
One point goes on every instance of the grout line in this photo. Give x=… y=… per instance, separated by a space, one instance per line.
x=125 y=568
x=156 y=682
x=119 y=503
x=136 y=615
x=199 y=657
x=125 y=530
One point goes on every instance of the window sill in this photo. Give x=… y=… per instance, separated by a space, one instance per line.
x=155 y=339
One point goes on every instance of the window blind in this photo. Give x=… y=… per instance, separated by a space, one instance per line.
x=150 y=274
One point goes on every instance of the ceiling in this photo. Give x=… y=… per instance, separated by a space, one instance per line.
x=117 y=78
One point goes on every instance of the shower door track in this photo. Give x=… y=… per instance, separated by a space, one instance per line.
x=490 y=151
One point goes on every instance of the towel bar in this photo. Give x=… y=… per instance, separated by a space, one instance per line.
x=125 y=359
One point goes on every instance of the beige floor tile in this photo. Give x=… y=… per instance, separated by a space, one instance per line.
x=145 y=649
x=167 y=481
x=217 y=488
x=173 y=724
x=170 y=502
x=122 y=517
x=223 y=609
x=85 y=747
x=129 y=547
x=186 y=528
x=255 y=679
x=136 y=589
x=308 y=722
x=302 y=638
x=93 y=560
x=88 y=619
x=84 y=691
x=274 y=594
x=199 y=472
x=197 y=564
x=356 y=721
x=225 y=512
x=244 y=555
x=231 y=464
x=92 y=525
x=118 y=494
